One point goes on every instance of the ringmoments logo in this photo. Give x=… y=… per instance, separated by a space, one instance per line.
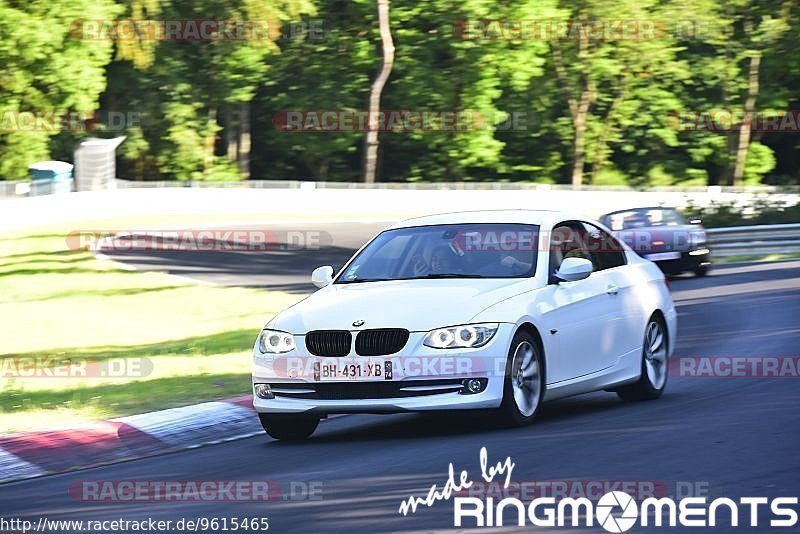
x=616 y=522
x=618 y=511
x=615 y=511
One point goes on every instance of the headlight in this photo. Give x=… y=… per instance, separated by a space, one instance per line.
x=697 y=237
x=275 y=342
x=468 y=335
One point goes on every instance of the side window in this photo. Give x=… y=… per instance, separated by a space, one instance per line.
x=606 y=250
x=567 y=241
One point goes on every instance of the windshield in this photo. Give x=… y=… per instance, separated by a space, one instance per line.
x=447 y=251
x=644 y=217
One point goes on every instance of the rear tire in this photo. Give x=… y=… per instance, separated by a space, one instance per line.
x=289 y=427
x=655 y=364
x=523 y=386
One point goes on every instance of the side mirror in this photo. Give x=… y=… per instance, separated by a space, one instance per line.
x=322 y=276
x=574 y=269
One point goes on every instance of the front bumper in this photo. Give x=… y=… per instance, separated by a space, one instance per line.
x=689 y=261
x=419 y=373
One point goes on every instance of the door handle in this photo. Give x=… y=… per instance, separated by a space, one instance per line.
x=612 y=289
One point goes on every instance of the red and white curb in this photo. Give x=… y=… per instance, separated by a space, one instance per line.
x=33 y=454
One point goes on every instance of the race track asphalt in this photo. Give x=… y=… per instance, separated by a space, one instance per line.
x=723 y=436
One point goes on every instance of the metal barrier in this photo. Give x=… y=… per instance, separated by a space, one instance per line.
x=466 y=185
x=14 y=189
x=755 y=240
x=34 y=188
x=791 y=193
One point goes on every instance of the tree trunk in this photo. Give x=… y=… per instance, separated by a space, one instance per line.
x=747 y=119
x=211 y=136
x=579 y=109
x=579 y=147
x=608 y=127
x=243 y=146
x=230 y=134
x=371 y=137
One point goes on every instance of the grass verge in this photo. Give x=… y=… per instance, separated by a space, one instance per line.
x=756 y=257
x=84 y=339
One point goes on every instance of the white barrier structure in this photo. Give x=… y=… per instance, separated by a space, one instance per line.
x=207 y=204
x=95 y=164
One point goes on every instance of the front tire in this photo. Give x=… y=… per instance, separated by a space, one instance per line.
x=701 y=271
x=523 y=387
x=289 y=427
x=655 y=364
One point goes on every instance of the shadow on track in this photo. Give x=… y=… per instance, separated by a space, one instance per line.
x=451 y=424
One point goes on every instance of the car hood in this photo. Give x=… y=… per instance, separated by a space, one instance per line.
x=417 y=305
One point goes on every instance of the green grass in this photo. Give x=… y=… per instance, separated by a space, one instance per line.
x=192 y=340
x=756 y=257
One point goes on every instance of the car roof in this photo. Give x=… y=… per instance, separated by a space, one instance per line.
x=639 y=208
x=537 y=217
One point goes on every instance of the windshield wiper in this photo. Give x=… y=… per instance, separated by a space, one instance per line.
x=430 y=276
x=362 y=280
x=447 y=275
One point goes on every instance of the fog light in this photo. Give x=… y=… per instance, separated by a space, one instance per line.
x=263 y=391
x=473 y=385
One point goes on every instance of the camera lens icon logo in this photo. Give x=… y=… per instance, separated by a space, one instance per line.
x=616 y=511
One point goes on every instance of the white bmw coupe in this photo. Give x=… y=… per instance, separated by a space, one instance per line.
x=494 y=310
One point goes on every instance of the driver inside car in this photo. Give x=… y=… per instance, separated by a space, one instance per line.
x=515 y=264
x=444 y=260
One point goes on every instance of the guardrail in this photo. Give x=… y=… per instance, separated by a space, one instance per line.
x=754 y=240
x=27 y=188
x=34 y=188
x=458 y=186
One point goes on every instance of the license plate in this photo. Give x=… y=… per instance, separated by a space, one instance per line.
x=662 y=256
x=362 y=369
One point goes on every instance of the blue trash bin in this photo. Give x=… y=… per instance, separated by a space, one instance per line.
x=50 y=177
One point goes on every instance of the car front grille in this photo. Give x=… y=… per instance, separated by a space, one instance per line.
x=329 y=343
x=381 y=341
x=366 y=390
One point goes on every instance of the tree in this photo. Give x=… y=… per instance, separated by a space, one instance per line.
x=575 y=101
x=737 y=38
x=758 y=37
x=195 y=89
x=461 y=57
x=371 y=136
x=600 y=67
x=327 y=68
x=49 y=71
